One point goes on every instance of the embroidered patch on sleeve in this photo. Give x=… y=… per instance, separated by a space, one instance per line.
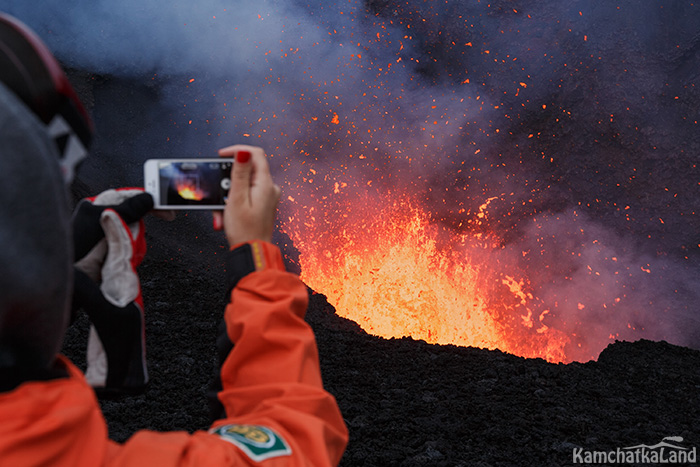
x=256 y=441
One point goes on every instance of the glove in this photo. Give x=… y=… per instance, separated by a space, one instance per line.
x=131 y=204
x=109 y=244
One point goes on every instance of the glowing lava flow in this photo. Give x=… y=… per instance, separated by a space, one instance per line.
x=397 y=274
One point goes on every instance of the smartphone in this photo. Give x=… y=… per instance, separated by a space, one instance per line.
x=188 y=183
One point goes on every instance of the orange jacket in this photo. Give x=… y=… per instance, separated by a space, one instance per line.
x=277 y=410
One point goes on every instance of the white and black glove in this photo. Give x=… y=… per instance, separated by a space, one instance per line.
x=109 y=244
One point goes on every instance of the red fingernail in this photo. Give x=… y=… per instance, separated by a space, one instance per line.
x=243 y=156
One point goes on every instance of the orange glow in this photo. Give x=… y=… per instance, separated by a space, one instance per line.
x=188 y=189
x=387 y=267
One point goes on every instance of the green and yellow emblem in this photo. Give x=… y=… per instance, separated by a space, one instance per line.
x=256 y=441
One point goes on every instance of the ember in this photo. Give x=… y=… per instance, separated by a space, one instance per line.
x=551 y=206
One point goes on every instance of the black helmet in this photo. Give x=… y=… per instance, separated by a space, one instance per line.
x=31 y=72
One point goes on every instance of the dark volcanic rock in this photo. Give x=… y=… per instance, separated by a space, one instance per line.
x=410 y=403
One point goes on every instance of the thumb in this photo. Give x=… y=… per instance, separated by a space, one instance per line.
x=134 y=208
x=120 y=283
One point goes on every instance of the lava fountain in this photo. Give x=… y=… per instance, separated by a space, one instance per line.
x=383 y=263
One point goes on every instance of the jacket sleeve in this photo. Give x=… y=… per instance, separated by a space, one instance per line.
x=276 y=410
x=271 y=380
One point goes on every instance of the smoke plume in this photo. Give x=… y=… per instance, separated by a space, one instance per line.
x=578 y=121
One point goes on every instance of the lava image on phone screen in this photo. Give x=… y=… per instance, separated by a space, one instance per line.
x=190 y=183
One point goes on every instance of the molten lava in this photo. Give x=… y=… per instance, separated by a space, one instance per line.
x=387 y=267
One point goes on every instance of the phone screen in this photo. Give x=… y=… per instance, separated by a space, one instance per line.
x=193 y=183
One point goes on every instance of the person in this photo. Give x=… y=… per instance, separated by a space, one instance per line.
x=275 y=409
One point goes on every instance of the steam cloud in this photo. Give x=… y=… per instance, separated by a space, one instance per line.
x=581 y=118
